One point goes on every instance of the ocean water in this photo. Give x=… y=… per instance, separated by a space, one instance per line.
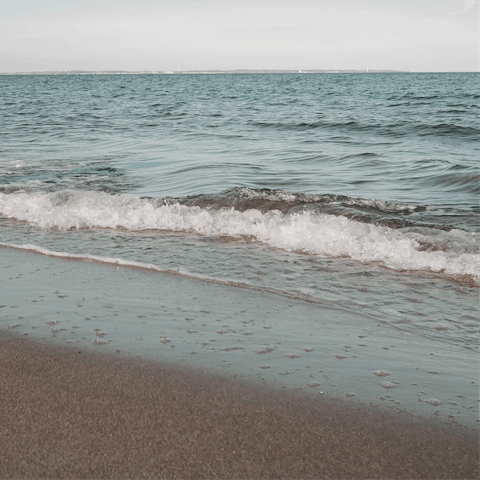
x=350 y=199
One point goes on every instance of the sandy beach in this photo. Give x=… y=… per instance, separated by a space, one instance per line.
x=66 y=413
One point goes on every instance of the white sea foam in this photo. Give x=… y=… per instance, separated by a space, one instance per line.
x=318 y=234
x=86 y=256
x=131 y=263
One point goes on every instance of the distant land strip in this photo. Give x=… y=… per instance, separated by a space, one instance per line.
x=189 y=72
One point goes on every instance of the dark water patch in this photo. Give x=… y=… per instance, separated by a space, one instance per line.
x=401 y=128
x=242 y=199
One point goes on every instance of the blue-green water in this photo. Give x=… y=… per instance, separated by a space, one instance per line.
x=394 y=137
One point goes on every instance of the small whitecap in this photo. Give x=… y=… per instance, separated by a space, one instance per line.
x=387 y=385
x=264 y=349
x=100 y=341
x=381 y=373
x=433 y=401
x=305 y=291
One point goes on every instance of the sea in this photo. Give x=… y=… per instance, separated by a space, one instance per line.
x=316 y=233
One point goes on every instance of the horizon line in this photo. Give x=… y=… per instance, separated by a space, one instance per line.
x=212 y=71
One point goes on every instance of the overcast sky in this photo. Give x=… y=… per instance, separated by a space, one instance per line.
x=414 y=35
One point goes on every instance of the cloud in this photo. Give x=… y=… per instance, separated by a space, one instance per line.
x=467 y=5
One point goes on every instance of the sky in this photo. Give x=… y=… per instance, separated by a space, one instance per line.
x=167 y=35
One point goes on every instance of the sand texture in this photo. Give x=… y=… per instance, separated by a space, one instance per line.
x=68 y=414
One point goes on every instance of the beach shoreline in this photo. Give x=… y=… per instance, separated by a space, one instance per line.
x=70 y=413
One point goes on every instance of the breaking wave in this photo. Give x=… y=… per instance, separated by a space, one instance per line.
x=453 y=252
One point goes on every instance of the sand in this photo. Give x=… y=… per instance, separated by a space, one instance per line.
x=65 y=413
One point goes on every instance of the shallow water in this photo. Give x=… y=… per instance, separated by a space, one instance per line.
x=283 y=342
x=340 y=193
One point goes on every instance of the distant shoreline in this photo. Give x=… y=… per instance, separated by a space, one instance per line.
x=190 y=72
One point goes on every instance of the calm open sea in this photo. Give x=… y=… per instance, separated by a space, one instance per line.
x=348 y=193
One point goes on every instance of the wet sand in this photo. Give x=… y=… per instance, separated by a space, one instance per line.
x=66 y=413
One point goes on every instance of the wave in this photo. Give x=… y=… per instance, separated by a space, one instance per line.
x=264 y=199
x=461 y=181
x=453 y=252
x=398 y=129
x=301 y=294
x=22 y=177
